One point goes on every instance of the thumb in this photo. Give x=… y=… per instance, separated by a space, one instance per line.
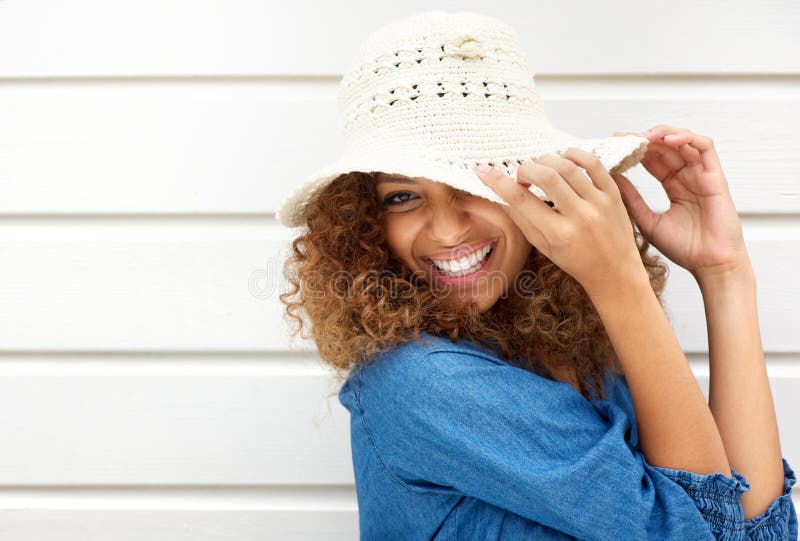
x=643 y=216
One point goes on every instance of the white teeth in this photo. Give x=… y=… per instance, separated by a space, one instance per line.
x=465 y=265
x=469 y=270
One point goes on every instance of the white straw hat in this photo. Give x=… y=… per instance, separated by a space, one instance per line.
x=434 y=94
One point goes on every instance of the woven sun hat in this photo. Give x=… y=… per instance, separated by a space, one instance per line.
x=436 y=93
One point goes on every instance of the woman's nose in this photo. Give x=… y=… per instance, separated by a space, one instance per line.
x=449 y=223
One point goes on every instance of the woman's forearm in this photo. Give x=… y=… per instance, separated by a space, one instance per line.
x=675 y=426
x=739 y=392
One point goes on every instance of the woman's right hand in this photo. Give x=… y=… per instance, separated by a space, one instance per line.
x=587 y=233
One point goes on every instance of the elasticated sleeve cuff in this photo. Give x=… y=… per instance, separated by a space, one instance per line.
x=779 y=521
x=717 y=497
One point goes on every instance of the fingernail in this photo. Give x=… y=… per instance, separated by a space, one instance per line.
x=484 y=168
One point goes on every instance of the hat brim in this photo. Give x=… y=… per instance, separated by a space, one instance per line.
x=616 y=153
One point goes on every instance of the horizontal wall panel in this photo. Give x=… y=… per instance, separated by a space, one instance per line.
x=248 y=37
x=97 y=286
x=777 y=316
x=185 y=430
x=154 y=524
x=173 y=430
x=240 y=148
x=146 y=294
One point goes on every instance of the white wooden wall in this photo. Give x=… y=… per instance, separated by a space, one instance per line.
x=148 y=388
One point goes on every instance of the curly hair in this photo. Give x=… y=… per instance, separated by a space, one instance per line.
x=359 y=300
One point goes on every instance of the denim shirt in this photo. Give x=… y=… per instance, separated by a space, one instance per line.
x=451 y=442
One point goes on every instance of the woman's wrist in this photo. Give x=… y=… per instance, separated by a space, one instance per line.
x=631 y=282
x=732 y=279
x=733 y=275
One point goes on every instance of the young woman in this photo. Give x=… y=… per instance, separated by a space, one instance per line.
x=509 y=369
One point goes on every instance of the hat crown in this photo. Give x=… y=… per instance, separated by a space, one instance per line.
x=413 y=79
x=434 y=93
x=432 y=29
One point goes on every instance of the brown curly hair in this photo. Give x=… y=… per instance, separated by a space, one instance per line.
x=360 y=300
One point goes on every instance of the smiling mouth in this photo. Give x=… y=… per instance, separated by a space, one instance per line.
x=458 y=271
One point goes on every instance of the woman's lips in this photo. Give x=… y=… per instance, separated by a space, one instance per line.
x=461 y=281
x=459 y=252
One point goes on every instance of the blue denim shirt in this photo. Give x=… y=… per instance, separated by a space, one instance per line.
x=450 y=441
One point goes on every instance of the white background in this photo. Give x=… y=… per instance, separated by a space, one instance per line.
x=148 y=387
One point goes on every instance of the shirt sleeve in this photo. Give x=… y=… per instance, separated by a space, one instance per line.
x=778 y=522
x=453 y=421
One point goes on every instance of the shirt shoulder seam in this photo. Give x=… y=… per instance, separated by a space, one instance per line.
x=473 y=353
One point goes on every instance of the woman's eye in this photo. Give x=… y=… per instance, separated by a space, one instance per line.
x=392 y=199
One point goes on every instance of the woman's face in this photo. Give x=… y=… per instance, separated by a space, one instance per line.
x=430 y=224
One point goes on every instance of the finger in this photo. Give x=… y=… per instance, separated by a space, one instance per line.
x=642 y=215
x=669 y=155
x=675 y=189
x=699 y=147
x=676 y=138
x=662 y=161
x=690 y=155
x=600 y=178
x=556 y=177
x=663 y=158
x=524 y=204
x=704 y=145
x=526 y=209
x=570 y=172
x=656 y=167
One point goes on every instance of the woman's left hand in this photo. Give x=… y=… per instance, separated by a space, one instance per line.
x=701 y=230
